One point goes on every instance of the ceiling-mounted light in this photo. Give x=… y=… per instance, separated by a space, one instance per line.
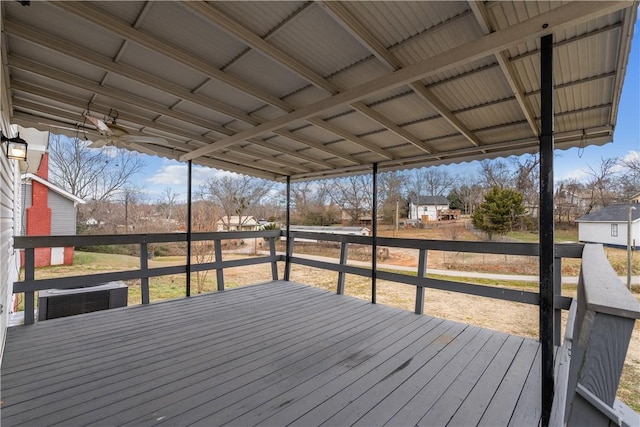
x=16 y=147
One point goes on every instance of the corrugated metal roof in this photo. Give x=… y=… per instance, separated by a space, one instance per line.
x=318 y=89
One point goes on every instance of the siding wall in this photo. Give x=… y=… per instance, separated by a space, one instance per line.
x=9 y=226
x=600 y=232
x=63 y=215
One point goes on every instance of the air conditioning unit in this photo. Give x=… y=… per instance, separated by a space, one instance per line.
x=55 y=303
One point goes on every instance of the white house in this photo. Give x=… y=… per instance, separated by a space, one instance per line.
x=609 y=226
x=236 y=223
x=425 y=208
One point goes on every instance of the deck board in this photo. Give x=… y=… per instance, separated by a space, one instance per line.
x=277 y=353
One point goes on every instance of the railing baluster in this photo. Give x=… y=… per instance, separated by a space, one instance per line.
x=29 y=297
x=272 y=252
x=344 y=249
x=144 y=267
x=217 y=245
x=422 y=272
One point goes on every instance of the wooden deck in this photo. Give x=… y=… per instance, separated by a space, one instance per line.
x=277 y=353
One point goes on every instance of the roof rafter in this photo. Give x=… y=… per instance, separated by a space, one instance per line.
x=546 y=23
x=256 y=156
x=122 y=29
x=368 y=40
x=261 y=45
x=482 y=16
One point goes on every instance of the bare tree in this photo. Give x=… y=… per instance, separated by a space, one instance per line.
x=390 y=194
x=90 y=173
x=495 y=173
x=167 y=202
x=312 y=203
x=353 y=195
x=526 y=179
x=234 y=194
x=601 y=183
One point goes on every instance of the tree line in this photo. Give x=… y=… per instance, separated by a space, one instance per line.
x=103 y=177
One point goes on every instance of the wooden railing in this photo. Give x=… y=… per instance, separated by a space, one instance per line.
x=421 y=282
x=29 y=243
x=30 y=285
x=592 y=357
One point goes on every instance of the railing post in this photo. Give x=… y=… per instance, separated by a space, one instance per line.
x=344 y=248
x=546 y=226
x=217 y=245
x=272 y=252
x=374 y=230
x=189 y=228
x=29 y=274
x=289 y=245
x=557 y=291
x=422 y=272
x=144 y=267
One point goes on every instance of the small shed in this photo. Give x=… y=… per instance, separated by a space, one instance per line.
x=425 y=208
x=609 y=226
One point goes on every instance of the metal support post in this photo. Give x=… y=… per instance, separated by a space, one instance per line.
x=547 y=247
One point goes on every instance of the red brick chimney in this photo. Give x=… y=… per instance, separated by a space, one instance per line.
x=39 y=213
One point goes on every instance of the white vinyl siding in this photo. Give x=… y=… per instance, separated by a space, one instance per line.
x=9 y=224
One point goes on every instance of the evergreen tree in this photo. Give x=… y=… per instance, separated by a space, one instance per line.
x=501 y=208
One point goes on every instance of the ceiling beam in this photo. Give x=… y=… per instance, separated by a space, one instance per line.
x=350 y=137
x=393 y=127
x=104 y=63
x=69 y=79
x=257 y=43
x=484 y=20
x=124 y=30
x=559 y=18
x=340 y=13
x=256 y=156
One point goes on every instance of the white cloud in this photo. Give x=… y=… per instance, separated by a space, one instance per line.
x=174 y=175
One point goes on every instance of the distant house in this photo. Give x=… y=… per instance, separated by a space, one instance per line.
x=48 y=210
x=609 y=226
x=635 y=198
x=425 y=208
x=236 y=223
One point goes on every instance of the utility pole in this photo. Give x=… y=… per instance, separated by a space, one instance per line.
x=631 y=208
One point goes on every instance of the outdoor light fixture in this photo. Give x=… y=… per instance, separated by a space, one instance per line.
x=16 y=147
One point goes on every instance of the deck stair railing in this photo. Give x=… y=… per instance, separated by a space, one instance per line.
x=591 y=359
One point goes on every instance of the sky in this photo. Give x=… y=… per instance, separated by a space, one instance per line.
x=161 y=173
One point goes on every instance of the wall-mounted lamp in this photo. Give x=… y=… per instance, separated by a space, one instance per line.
x=16 y=147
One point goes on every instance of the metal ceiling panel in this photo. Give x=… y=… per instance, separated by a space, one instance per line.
x=319 y=42
x=266 y=74
x=393 y=23
x=180 y=27
x=364 y=71
x=355 y=123
x=261 y=18
x=155 y=64
x=406 y=108
x=227 y=81
x=492 y=115
x=229 y=95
